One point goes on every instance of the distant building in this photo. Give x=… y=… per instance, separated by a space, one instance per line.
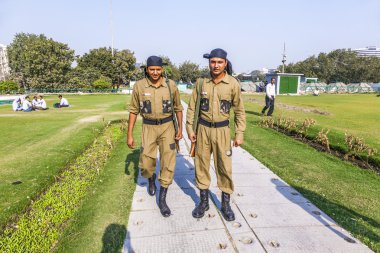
x=4 y=66
x=255 y=75
x=269 y=71
x=368 y=51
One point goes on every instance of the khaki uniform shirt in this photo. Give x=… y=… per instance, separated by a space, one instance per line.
x=216 y=102
x=152 y=102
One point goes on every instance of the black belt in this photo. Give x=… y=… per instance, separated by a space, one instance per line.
x=157 y=121
x=214 y=124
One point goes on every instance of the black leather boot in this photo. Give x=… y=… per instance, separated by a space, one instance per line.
x=203 y=206
x=152 y=185
x=164 y=209
x=227 y=212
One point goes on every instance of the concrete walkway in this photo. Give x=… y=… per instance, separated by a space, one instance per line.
x=270 y=215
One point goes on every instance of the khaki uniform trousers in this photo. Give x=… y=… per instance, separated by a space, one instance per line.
x=163 y=137
x=218 y=142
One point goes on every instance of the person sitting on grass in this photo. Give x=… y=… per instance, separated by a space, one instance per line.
x=63 y=102
x=41 y=104
x=34 y=102
x=316 y=92
x=16 y=105
x=26 y=105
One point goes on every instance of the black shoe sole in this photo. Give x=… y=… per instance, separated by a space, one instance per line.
x=197 y=217
x=165 y=215
x=151 y=193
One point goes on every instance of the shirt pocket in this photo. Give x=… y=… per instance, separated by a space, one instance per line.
x=205 y=101
x=146 y=104
x=167 y=106
x=225 y=104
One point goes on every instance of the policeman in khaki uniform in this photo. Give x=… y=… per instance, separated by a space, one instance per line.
x=151 y=98
x=219 y=94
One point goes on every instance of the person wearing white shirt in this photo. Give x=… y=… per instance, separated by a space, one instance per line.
x=26 y=105
x=63 y=102
x=269 y=98
x=16 y=105
x=34 y=102
x=41 y=104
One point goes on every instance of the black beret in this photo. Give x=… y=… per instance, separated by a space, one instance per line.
x=218 y=53
x=154 y=61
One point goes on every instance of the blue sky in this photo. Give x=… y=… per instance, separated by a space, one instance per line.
x=252 y=32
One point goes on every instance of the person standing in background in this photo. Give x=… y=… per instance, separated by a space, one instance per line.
x=269 y=98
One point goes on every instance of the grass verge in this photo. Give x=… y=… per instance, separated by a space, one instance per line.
x=38 y=229
x=100 y=225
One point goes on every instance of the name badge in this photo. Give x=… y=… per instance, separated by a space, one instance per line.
x=146 y=94
x=204 y=93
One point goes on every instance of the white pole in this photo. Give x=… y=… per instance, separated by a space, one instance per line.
x=111 y=26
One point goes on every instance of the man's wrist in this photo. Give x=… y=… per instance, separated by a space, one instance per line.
x=239 y=136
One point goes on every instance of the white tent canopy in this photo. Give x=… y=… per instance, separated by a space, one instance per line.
x=359 y=87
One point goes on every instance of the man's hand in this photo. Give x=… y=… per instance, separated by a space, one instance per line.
x=237 y=143
x=179 y=135
x=192 y=137
x=130 y=142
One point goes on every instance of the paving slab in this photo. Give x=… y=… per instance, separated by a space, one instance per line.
x=187 y=197
x=309 y=239
x=266 y=195
x=141 y=222
x=247 y=242
x=215 y=241
x=284 y=215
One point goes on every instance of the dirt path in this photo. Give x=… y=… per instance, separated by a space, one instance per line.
x=288 y=107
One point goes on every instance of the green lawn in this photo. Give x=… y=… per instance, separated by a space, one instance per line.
x=35 y=146
x=350 y=195
x=358 y=114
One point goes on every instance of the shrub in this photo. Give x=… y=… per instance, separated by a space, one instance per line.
x=356 y=146
x=303 y=129
x=267 y=122
x=76 y=82
x=102 y=83
x=8 y=86
x=323 y=139
x=288 y=124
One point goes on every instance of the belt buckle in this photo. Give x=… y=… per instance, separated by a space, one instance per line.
x=212 y=124
x=158 y=122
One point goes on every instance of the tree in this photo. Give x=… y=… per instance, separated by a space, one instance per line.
x=339 y=65
x=170 y=69
x=98 y=60
x=138 y=73
x=39 y=62
x=125 y=66
x=82 y=78
x=119 y=68
x=102 y=83
x=189 y=71
x=204 y=72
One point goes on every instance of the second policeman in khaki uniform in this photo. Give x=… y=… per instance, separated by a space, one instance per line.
x=151 y=98
x=219 y=94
